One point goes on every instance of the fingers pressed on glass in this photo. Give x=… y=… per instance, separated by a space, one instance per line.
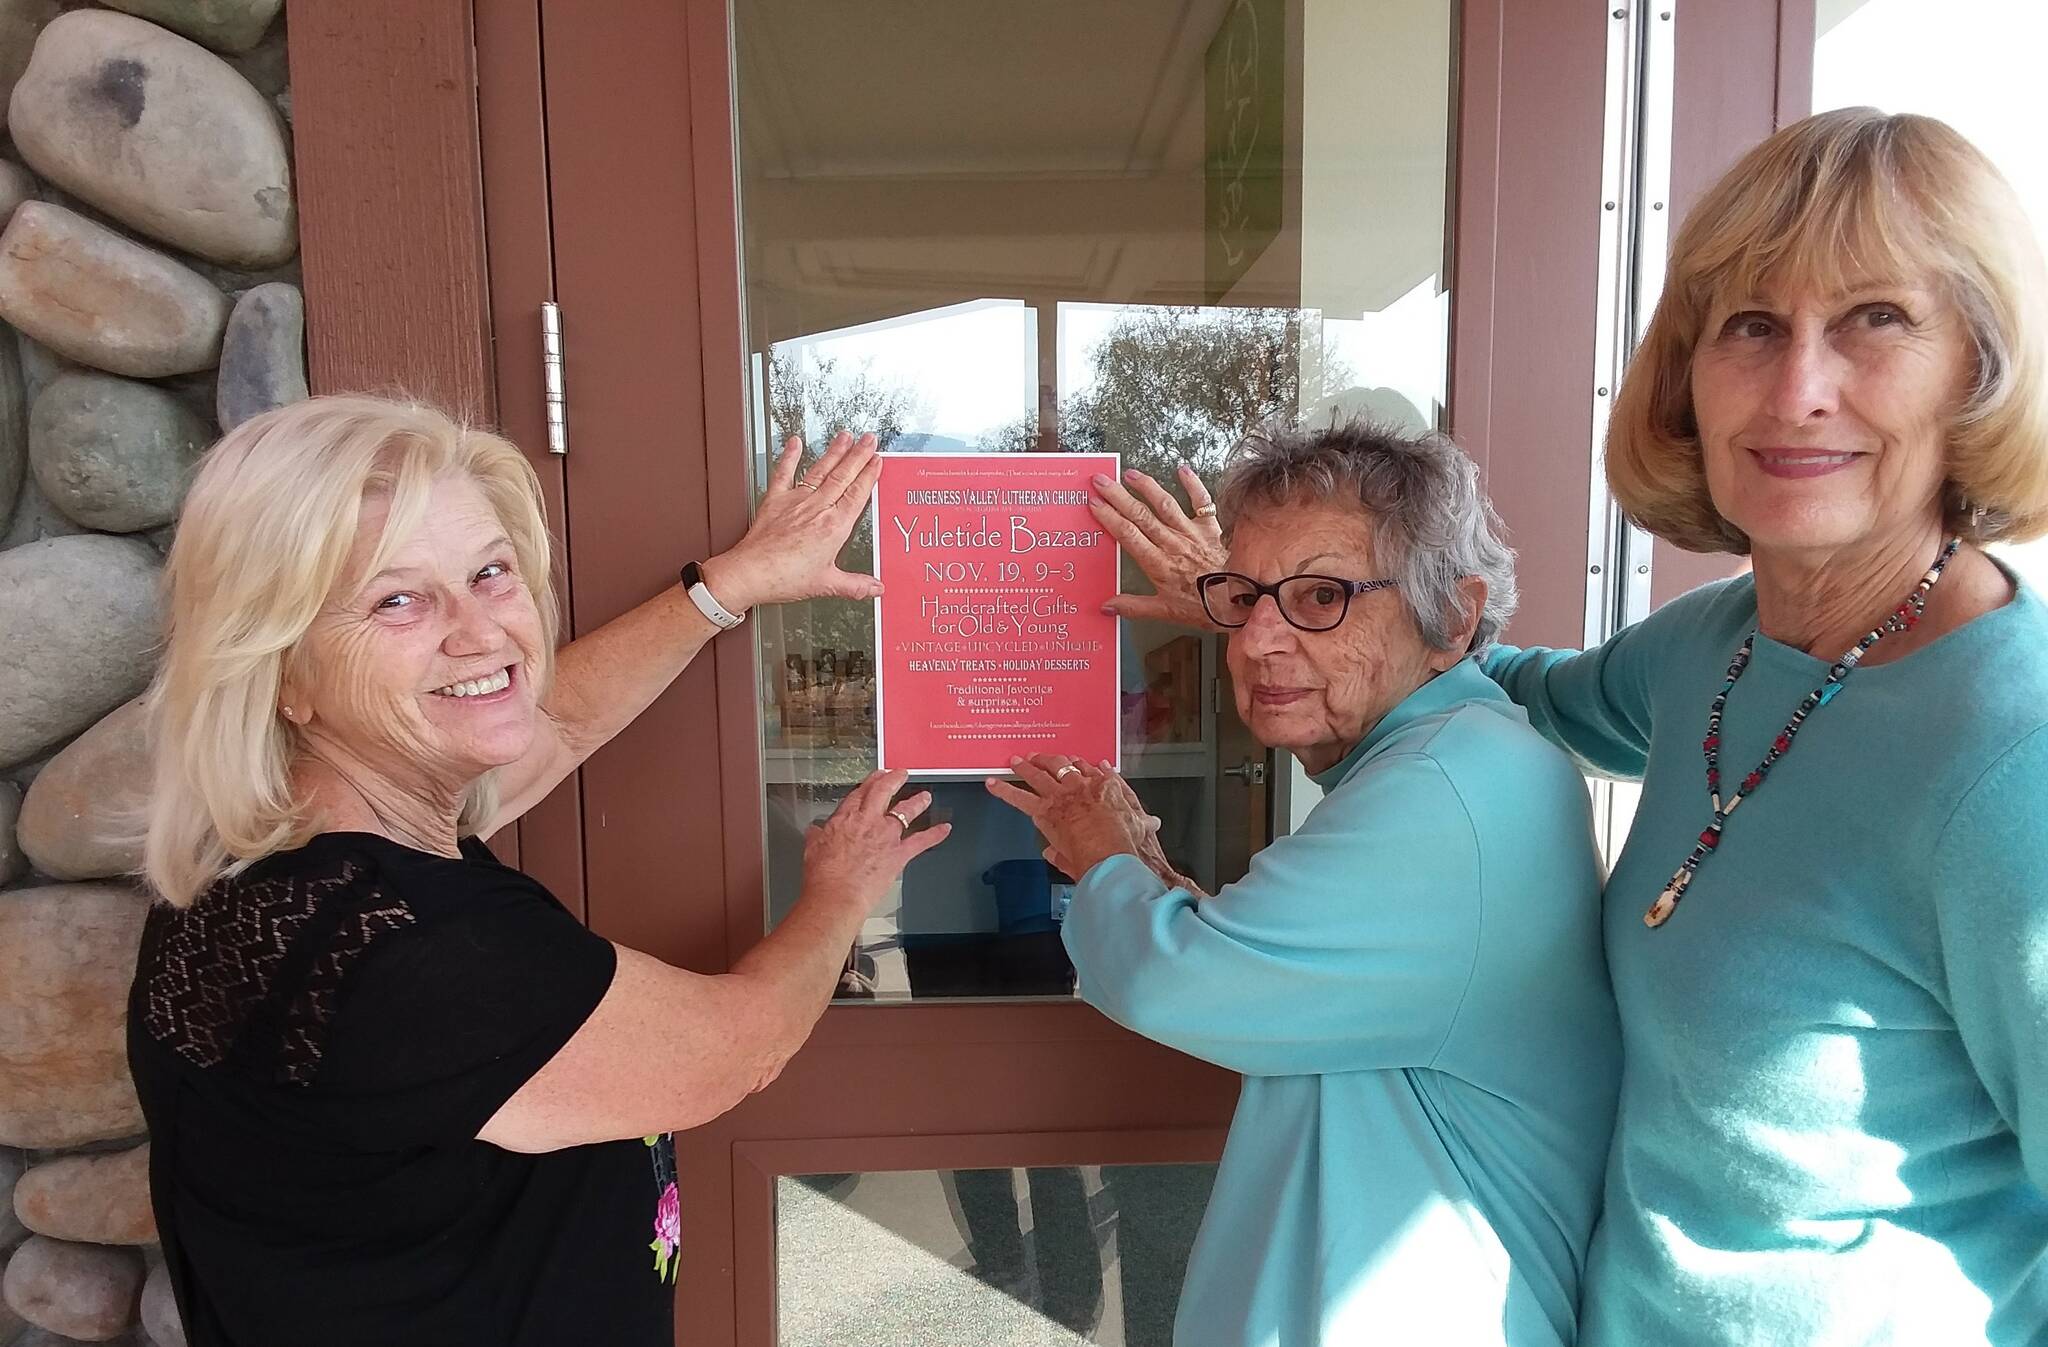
x=855 y=497
x=1143 y=516
x=1031 y=774
x=821 y=470
x=1162 y=501
x=1015 y=796
x=920 y=842
x=1127 y=534
x=911 y=806
x=782 y=472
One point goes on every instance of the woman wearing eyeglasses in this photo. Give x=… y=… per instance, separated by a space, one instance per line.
x=1411 y=982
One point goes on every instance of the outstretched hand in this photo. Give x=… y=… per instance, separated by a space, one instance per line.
x=1170 y=546
x=792 y=550
x=1086 y=812
x=863 y=847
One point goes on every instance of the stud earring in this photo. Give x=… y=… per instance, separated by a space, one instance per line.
x=287 y=712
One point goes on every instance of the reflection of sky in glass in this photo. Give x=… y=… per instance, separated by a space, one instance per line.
x=1402 y=348
x=971 y=367
x=1972 y=63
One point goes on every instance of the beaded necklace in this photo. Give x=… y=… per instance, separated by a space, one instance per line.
x=1903 y=618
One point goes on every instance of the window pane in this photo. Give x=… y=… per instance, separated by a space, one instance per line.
x=1142 y=228
x=994 y=1257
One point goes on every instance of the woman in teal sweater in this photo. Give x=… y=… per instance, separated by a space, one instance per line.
x=1410 y=983
x=1829 y=929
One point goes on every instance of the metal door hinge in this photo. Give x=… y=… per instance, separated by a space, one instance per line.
x=551 y=376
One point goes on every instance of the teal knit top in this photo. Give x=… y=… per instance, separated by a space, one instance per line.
x=1411 y=985
x=1834 y=1107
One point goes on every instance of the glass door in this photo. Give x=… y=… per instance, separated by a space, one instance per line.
x=1001 y=241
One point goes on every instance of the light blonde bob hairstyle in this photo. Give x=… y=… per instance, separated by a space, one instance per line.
x=1840 y=200
x=262 y=546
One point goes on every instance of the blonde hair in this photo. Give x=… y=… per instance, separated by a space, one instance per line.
x=261 y=547
x=1838 y=200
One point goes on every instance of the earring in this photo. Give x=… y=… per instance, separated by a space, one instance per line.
x=287 y=712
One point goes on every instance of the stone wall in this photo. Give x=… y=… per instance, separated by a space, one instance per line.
x=149 y=298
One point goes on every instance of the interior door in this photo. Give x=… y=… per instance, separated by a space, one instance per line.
x=1138 y=227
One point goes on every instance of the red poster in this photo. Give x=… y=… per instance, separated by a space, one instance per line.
x=990 y=635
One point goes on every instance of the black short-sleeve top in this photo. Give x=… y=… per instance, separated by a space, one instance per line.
x=316 y=1044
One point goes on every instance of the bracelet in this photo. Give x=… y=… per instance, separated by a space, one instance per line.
x=700 y=594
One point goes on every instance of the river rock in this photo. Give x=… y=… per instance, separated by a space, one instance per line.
x=104 y=300
x=79 y=1290
x=21 y=22
x=67 y=955
x=36 y=519
x=114 y=454
x=160 y=1309
x=81 y=618
x=89 y=1199
x=159 y=133
x=83 y=816
x=263 y=356
x=13 y=860
x=224 y=25
x=12 y=1231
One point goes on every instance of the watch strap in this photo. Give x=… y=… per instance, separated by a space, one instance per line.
x=707 y=604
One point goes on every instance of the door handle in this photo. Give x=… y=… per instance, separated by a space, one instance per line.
x=1251 y=771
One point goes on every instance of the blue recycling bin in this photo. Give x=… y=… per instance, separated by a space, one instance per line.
x=1023 y=895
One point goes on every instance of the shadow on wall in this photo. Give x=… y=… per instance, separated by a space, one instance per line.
x=148 y=287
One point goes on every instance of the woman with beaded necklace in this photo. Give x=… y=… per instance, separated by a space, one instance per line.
x=1828 y=931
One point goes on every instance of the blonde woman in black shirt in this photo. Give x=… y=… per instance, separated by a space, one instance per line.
x=397 y=1093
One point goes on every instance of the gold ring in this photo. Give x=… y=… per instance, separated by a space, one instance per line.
x=1061 y=774
x=1204 y=511
x=900 y=819
x=808 y=486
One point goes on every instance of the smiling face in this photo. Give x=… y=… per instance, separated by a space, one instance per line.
x=1317 y=694
x=422 y=673
x=1823 y=418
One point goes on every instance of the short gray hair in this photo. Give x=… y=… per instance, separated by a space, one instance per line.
x=1432 y=527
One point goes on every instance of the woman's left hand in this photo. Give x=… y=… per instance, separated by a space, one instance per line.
x=1086 y=812
x=792 y=550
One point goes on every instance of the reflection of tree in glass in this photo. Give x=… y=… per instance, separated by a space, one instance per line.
x=813 y=399
x=1179 y=384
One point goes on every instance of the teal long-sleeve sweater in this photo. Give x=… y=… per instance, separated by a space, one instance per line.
x=1412 y=987
x=1833 y=1128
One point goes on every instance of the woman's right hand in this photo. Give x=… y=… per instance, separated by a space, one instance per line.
x=1170 y=546
x=863 y=847
x=791 y=551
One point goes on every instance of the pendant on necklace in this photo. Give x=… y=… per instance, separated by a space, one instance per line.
x=1903 y=618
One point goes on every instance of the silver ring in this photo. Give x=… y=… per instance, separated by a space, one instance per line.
x=1061 y=774
x=900 y=819
x=1204 y=511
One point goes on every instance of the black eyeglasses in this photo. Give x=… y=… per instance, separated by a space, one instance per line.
x=1307 y=602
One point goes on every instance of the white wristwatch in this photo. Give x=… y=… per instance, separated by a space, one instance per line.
x=700 y=594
